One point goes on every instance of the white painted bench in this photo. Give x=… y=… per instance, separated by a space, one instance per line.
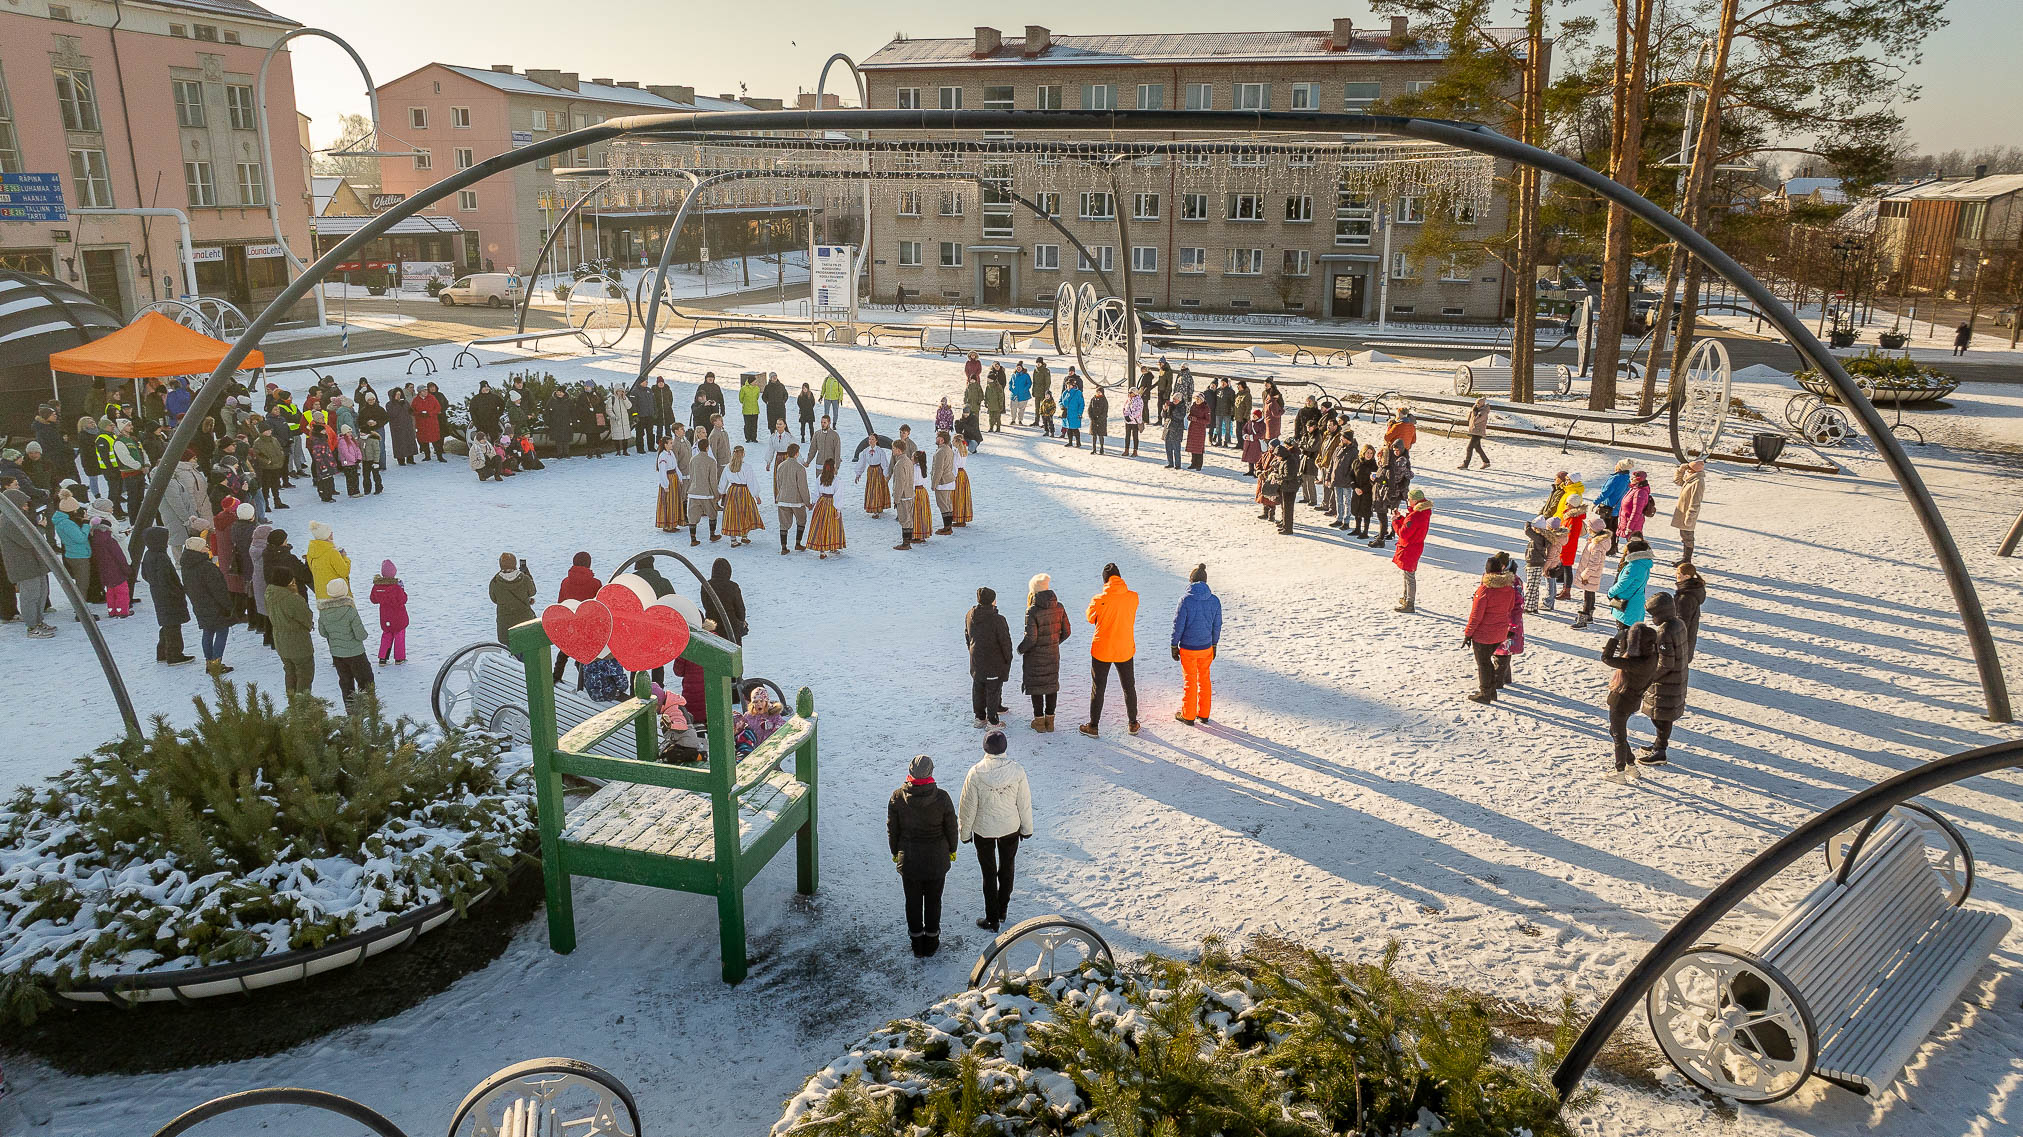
x=988 y=341
x=485 y=684
x=1546 y=379
x=1846 y=985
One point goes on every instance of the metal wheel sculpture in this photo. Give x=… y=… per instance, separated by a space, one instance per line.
x=227 y=322
x=359 y=1115
x=1039 y=949
x=182 y=312
x=548 y=1096
x=1947 y=849
x=1100 y=331
x=1064 y=319
x=453 y=697
x=1703 y=412
x=597 y=307
x=1733 y=1024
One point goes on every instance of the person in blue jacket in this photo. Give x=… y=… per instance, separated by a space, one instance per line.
x=1197 y=629
x=1072 y=401
x=1021 y=393
x=1611 y=500
x=1626 y=595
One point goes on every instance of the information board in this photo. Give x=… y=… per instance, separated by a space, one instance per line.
x=32 y=197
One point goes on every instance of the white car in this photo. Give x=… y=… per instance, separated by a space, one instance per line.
x=492 y=289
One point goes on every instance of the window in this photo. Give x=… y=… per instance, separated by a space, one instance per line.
x=1455 y=272
x=1246 y=157
x=252 y=187
x=1200 y=97
x=179 y=31
x=460 y=118
x=1098 y=207
x=189 y=97
x=59 y=11
x=1252 y=97
x=1401 y=267
x=997 y=98
x=1464 y=211
x=909 y=254
x=909 y=203
x=1144 y=258
x=1193 y=207
x=1246 y=262
x=1144 y=207
x=423 y=160
x=1105 y=254
x=1099 y=97
x=951 y=254
x=1359 y=96
x=951 y=98
x=207 y=32
x=909 y=100
x=10 y=143
x=467 y=201
x=1411 y=210
x=1894 y=209
x=1354 y=219
x=1047 y=258
x=1244 y=303
x=951 y=204
x=1420 y=86
x=1151 y=96
x=1298 y=262
x=1403 y=309
x=583 y=121
x=1298 y=158
x=198 y=183
x=1300 y=208
x=91 y=180
x=1049 y=203
x=1246 y=207
x=1193 y=260
x=1048 y=97
x=417 y=118
x=231 y=36
x=1195 y=159
x=239 y=100
x=78 y=98
x=1306 y=96
x=1973 y=218
x=465 y=159
x=994 y=189
x=1453 y=311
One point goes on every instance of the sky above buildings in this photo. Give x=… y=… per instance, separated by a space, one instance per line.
x=1971 y=77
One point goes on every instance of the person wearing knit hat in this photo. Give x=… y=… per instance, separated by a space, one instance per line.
x=337 y=618
x=210 y=601
x=1411 y=527
x=989 y=641
x=390 y=596
x=326 y=561
x=995 y=813
x=72 y=527
x=923 y=835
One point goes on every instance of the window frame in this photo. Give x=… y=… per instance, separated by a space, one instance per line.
x=200 y=184
x=1046 y=258
x=1151 y=96
x=1297 y=263
x=1415 y=215
x=1199 y=96
x=1232 y=210
x=467 y=201
x=1299 y=209
x=1250 y=97
x=1191 y=260
x=1148 y=263
x=951 y=254
x=464 y=157
x=1106 y=256
x=1109 y=202
x=1239 y=257
x=463 y=113
x=246 y=115
x=1047 y=97
x=906 y=247
x=1358 y=97
x=949 y=98
x=417 y=118
x=77 y=100
x=253 y=189
x=1138 y=210
x=906 y=98
x=906 y=196
x=1008 y=102
x=1194 y=207
x=87 y=179
x=189 y=115
x=1309 y=92
x=10 y=135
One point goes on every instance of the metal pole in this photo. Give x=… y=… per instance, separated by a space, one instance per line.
x=1384 y=267
x=695 y=185
x=11 y=514
x=1128 y=326
x=182 y=225
x=2008 y=548
x=527 y=293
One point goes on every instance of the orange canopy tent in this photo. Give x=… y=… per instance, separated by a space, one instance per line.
x=152 y=346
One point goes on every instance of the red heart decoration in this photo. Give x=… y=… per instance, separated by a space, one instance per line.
x=642 y=637
x=579 y=630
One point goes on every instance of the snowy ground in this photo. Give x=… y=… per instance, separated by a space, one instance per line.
x=1347 y=794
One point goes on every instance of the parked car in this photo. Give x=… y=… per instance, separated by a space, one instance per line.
x=492 y=289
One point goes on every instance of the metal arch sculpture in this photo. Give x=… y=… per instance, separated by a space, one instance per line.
x=561 y=223
x=1467 y=136
x=709 y=595
x=323 y=1100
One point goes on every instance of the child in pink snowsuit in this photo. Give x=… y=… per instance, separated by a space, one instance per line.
x=112 y=569
x=391 y=597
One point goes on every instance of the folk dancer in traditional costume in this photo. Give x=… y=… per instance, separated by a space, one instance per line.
x=790 y=495
x=739 y=488
x=825 y=533
x=923 y=503
x=965 y=503
x=899 y=470
x=719 y=442
x=670 y=511
x=944 y=481
x=871 y=471
x=703 y=476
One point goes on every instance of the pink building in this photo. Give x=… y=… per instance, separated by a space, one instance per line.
x=151 y=103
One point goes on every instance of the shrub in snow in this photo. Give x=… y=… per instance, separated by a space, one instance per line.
x=261 y=829
x=1268 y=1043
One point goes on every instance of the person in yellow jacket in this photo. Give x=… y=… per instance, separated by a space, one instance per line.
x=326 y=561
x=1114 y=611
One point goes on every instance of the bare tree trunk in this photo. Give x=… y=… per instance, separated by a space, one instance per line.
x=1633 y=53
x=1532 y=127
x=1648 y=398
x=1699 y=184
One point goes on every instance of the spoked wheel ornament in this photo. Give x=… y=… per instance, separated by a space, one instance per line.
x=1703 y=408
x=454 y=696
x=1100 y=344
x=1733 y=1024
x=1040 y=949
x=597 y=307
x=1064 y=319
x=559 y=1096
x=1944 y=847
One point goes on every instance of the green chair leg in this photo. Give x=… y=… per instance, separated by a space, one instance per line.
x=809 y=863
x=561 y=907
x=730 y=914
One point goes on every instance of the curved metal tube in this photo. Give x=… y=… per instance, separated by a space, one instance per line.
x=695 y=187
x=11 y=514
x=1869 y=803
x=1467 y=136
x=282 y=1095
x=527 y=293
x=769 y=334
x=723 y=615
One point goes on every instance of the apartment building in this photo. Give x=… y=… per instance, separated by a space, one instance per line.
x=454 y=117
x=1952 y=235
x=1202 y=241
x=150 y=103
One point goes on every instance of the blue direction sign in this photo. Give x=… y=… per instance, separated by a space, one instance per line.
x=32 y=197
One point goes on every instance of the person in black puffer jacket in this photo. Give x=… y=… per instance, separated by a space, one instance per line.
x=1691 y=594
x=732 y=599
x=990 y=656
x=1665 y=699
x=921 y=828
x=1047 y=627
x=172 y=609
x=1633 y=652
x=210 y=600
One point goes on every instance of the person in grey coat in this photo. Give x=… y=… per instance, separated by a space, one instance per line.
x=1665 y=698
x=922 y=831
x=25 y=568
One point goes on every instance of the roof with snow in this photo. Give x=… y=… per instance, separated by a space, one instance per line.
x=1965 y=189
x=516 y=84
x=1829 y=191
x=1174 y=47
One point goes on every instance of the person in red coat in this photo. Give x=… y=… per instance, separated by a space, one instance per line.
x=1491 y=616
x=428 y=410
x=578 y=584
x=1409 y=526
x=1198 y=418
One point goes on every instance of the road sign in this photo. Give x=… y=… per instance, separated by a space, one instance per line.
x=32 y=197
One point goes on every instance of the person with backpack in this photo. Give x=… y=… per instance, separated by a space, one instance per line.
x=994 y=814
x=923 y=833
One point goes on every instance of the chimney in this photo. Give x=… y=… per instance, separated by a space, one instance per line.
x=559 y=80
x=1038 y=39
x=503 y=68
x=1980 y=171
x=987 y=42
x=1400 y=32
x=764 y=104
x=671 y=93
x=1345 y=34
x=806 y=101
x=628 y=84
x=602 y=82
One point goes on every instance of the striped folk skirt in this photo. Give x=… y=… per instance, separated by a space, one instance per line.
x=826 y=533
x=877 y=492
x=965 y=505
x=923 y=513
x=670 y=512
x=741 y=512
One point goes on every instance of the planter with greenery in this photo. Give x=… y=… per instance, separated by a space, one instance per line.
x=562 y=292
x=260 y=830
x=1287 y=1043
x=436 y=285
x=1893 y=341
x=1888 y=379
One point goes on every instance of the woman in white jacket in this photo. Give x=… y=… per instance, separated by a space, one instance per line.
x=996 y=810
x=618 y=410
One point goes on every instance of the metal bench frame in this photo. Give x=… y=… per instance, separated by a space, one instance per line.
x=984 y=341
x=1546 y=379
x=518 y=337
x=317 y=367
